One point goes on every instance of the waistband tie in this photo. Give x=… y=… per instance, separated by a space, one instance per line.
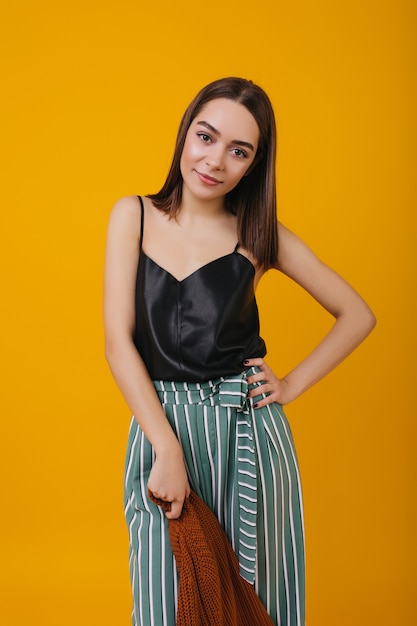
x=231 y=391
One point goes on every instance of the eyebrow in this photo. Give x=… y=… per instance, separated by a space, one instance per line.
x=238 y=142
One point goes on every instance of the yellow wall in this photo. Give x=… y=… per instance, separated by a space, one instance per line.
x=92 y=96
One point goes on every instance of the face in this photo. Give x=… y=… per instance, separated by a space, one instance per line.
x=219 y=148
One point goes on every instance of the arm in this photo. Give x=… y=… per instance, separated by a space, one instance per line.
x=354 y=321
x=168 y=478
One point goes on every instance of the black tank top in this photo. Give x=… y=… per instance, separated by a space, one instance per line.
x=198 y=328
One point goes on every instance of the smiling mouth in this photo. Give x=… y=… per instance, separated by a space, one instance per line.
x=208 y=180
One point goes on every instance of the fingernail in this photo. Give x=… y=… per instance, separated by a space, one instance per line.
x=255 y=406
x=245 y=362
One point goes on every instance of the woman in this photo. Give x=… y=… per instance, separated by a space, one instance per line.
x=183 y=344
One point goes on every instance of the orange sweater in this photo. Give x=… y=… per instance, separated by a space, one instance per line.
x=211 y=590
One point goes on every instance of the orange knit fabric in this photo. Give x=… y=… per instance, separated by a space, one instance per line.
x=211 y=590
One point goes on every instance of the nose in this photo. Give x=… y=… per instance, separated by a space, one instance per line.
x=215 y=157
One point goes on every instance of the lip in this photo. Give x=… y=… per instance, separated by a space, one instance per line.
x=206 y=179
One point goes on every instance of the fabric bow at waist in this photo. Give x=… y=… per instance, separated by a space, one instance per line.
x=230 y=392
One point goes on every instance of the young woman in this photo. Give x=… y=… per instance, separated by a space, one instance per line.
x=183 y=344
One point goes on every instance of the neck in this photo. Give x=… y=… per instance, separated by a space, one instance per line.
x=192 y=206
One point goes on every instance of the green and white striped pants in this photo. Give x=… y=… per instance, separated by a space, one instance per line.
x=241 y=461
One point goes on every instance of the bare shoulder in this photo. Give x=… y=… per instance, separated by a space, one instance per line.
x=126 y=208
x=125 y=218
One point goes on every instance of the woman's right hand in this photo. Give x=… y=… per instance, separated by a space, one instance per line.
x=168 y=480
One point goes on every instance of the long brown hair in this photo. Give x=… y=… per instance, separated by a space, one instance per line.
x=253 y=200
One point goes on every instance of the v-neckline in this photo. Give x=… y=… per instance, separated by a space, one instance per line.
x=199 y=269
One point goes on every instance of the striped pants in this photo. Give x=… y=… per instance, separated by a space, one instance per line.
x=241 y=461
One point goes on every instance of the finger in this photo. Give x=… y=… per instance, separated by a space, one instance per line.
x=265 y=401
x=176 y=509
x=260 y=389
x=253 y=362
x=164 y=504
x=256 y=378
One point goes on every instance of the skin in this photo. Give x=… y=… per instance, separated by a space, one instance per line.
x=219 y=149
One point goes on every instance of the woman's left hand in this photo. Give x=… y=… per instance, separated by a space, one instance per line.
x=279 y=389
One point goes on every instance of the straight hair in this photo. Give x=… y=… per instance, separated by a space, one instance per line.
x=253 y=200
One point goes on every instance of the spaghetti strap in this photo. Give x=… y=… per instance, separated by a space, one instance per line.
x=236 y=247
x=142 y=219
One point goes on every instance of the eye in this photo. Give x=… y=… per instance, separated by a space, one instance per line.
x=238 y=152
x=204 y=137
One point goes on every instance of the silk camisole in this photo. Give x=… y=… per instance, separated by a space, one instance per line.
x=198 y=328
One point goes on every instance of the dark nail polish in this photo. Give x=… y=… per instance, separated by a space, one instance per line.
x=255 y=406
x=245 y=362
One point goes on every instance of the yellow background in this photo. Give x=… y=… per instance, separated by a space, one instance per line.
x=92 y=97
